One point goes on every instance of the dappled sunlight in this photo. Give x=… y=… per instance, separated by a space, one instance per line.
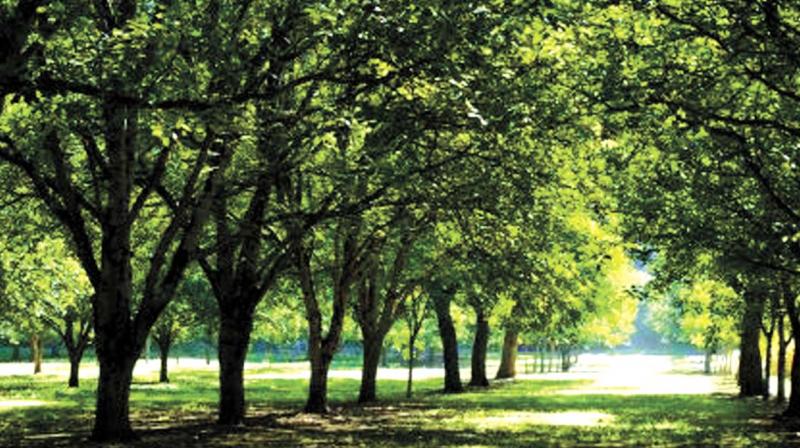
x=518 y=420
x=6 y=405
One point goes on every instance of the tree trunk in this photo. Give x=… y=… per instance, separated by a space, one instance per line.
x=411 y=340
x=163 y=350
x=74 y=367
x=751 y=383
x=540 y=350
x=15 y=353
x=479 y=349
x=36 y=353
x=112 y=421
x=793 y=410
x=508 y=359
x=317 y=402
x=566 y=359
x=369 y=369
x=447 y=332
x=236 y=325
x=768 y=363
x=781 y=393
x=707 y=362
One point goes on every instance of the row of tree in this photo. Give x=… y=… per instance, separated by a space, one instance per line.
x=354 y=158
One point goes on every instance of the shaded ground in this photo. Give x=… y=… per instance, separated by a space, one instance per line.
x=607 y=401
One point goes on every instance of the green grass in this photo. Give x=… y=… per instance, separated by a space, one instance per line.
x=526 y=413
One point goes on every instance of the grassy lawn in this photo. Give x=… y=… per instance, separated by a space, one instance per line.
x=41 y=411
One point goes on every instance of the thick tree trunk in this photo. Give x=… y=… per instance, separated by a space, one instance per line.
x=234 y=340
x=36 y=353
x=508 y=358
x=317 y=402
x=751 y=382
x=163 y=351
x=781 y=393
x=113 y=393
x=479 y=348
x=707 y=362
x=793 y=410
x=447 y=332
x=369 y=369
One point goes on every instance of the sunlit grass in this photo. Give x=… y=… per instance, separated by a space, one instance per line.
x=531 y=412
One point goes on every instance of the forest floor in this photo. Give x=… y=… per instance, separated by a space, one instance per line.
x=607 y=400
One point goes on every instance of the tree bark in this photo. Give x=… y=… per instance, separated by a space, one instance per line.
x=36 y=353
x=74 y=369
x=369 y=369
x=707 y=362
x=317 y=402
x=15 y=353
x=410 y=384
x=793 y=409
x=112 y=421
x=447 y=332
x=163 y=350
x=234 y=340
x=781 y=393
x=479 y=348
x=751 y=382
x=508 y=358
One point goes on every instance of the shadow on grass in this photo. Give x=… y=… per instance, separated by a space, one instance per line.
x=509 y=414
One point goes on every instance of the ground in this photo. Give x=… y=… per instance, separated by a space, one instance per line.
x=606 y=401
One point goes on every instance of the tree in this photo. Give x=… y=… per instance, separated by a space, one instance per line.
x=48 y=290
x=95 y=144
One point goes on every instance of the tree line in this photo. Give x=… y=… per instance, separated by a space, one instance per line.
x=367 y=160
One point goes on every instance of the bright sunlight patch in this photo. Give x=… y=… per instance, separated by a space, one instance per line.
x=13 y=404
x=509 y=420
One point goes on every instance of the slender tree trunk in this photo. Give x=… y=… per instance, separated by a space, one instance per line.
x=447 y=332
x=369 y=368
x=707 y=361
x=781 y=393
x=36 y=353
x=236 y=324
x=566 y=359
x=74 y=368
x=411 y=340
x=163 y=350
x=750 y=381
x=508 y=358
x=768 y=363
x=540 y=351
x=479 y=349
x=15 y=353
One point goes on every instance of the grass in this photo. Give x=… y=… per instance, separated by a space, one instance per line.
x=41 y=411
